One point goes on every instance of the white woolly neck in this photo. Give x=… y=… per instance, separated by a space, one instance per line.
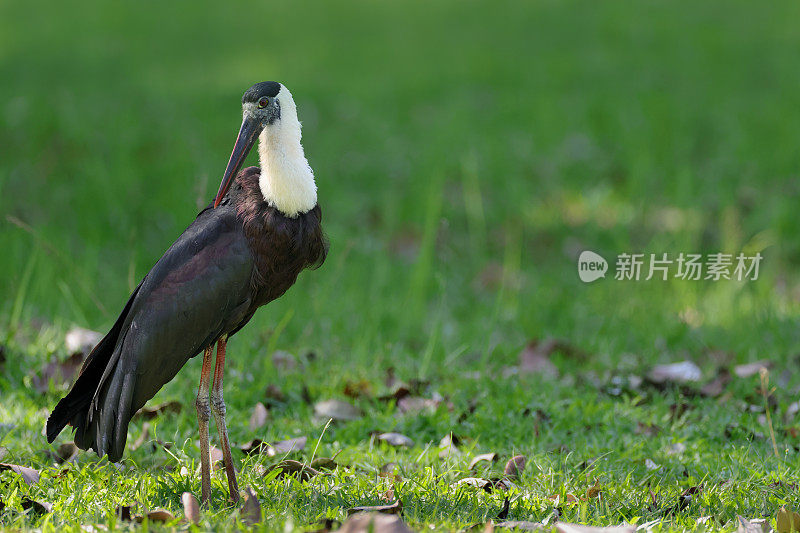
x=286 y=181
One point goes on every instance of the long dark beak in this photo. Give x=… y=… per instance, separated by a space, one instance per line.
x=248 y=134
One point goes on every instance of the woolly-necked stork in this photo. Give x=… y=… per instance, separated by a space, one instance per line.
x=243 y=251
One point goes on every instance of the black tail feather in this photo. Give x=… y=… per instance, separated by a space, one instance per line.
x=73 y=408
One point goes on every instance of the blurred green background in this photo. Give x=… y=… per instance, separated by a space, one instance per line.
x=465 y=152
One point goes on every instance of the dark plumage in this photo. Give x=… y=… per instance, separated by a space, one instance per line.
x=229 y=261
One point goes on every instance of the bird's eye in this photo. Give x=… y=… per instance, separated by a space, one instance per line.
x=263 y=102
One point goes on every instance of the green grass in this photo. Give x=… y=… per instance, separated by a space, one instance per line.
x=464 y=153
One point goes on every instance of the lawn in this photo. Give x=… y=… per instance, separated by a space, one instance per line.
x=465 y=153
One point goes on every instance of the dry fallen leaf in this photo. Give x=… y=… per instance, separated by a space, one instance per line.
x=65 y=452
x=39 y=507
x=535 y=357
x=288 y=467
x=30 y=475
x=337 y=410
x=392 y=508
x=477 y=482
x=523 y=525
x=284 y=360
x=682 y=372
x=259 y=416
x=488 y=457
x=358 y=389
x=149 y=413
x=447 y=447
x=283 y=447
x=752 y=369
x=323 y=463
x=81 y=340
x=594 y=491
x=59 y=372
x=758 y=525
x=648 y=430
x=565 y=527
x=396 y=439
x=157 y=515
x=191 y=509
x=716 y=386
x=568 y=498
x=251 y=508
x=374 y=523
x=787 y=520
x=515 y=466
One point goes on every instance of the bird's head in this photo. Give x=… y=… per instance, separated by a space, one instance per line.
x=261 y=108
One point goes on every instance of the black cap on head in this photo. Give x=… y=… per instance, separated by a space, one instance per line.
x=265 y=88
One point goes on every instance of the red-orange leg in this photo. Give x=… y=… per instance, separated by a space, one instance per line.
x=218 y=408
x=203 y=416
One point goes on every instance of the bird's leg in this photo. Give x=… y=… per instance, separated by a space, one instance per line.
x=218 y=408
x=203 y=416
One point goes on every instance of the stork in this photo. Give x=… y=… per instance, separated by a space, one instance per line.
x=245 y=249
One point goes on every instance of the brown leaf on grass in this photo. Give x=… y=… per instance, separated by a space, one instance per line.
x=358 y=389
x=648 y=430
x=284 y=360
x=191 y=509
x=39 y=507
x=523 y=525
x=787 y=520
x=259 y=416
x=396 y=439
x=758 y=525
x=568 y=498
x=29 y=475
x=681 y=372
x=566 y=527
x=476 y=482
x=59 y=372
x=65 y=452
x=251 y=508
x=488 y=457
x=273 y=394
x=752 y=369
x=287 y=467
x=392 y=508
x=81 y=340
x=447 y=447
x=149 y=413
x=535 y=357
x=323 y=463
x=374 y=523
x=156 y=515
x=215 y=453
x=594 y=491
x=337 y=410
x=515 y=466
x=716 y=386
x=416 y=404
x=258 y=446
x=390 y=470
